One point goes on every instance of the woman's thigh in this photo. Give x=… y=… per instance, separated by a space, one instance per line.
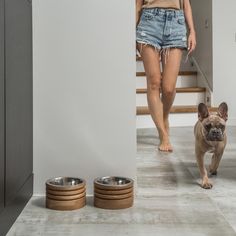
x=151 y=62
x=171 y=64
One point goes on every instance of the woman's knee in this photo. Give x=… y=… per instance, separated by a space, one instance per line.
x=154 y=82
x=168 y=90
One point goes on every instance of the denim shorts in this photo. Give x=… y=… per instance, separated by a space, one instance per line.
x=162 y=28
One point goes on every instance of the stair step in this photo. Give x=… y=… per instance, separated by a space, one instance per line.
x=138 y=58
x=181 y=99
x=180 y=73
x=178 y=90
x=175 y=109
x=182 y=82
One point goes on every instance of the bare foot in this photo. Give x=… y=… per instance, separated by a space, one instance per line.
x=165 y=145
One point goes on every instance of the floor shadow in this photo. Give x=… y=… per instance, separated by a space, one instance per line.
x=89 y=201
x=39 y=202
x=149 y=141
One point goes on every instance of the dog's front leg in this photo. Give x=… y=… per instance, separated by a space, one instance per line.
x=215 y=161
x=203 y=172
x=216 y=158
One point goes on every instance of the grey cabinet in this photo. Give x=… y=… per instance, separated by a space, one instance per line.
x=19 y=105
x=1 y=106
x=16 y=109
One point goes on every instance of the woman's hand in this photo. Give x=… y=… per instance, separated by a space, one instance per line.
x=189 y=19
x=191 y=42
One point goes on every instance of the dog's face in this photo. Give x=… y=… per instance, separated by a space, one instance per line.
x=214 y=128
x=213 y=124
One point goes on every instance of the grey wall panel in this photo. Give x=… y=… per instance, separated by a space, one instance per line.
x=19 y=106
x=12 y=210
x=16 y=178
x=1 y=105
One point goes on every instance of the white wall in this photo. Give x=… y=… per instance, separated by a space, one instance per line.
x=202 y=14
x=224 y=59
x=84 y=89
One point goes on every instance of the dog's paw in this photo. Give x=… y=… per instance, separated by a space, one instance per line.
x=207 y=185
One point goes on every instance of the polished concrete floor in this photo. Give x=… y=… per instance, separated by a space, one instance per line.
x=169 y=199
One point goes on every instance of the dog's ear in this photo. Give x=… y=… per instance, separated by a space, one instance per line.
x=202 y=111
x=223 y=111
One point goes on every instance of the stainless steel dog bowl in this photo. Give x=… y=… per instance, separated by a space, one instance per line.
x=65 y=183
x=113 y=192
x=65 y=193
x=113 y=182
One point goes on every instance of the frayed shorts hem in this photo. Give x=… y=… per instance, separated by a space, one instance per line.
x=175 y=46
x=162 y=50
x=157 y=47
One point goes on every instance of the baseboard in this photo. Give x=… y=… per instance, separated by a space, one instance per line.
x=10 y=213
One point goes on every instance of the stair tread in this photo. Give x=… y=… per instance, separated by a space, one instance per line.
x=180 y=73
x=138 y=58
x=178 y=90
x=143 y=110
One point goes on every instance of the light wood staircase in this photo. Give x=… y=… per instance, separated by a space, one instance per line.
x=184 y=109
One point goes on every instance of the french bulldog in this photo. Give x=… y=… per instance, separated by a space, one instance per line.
x=210 y=136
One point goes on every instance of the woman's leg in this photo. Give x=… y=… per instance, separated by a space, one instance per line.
x=170 y=64
x=151 y=62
